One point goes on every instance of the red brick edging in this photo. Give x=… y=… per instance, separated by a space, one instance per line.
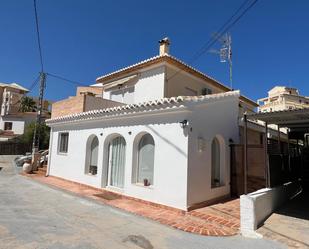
x=196 y=221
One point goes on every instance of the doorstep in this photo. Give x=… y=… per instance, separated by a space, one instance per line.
x=216 y=220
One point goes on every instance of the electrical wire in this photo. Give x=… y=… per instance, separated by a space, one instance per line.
x=222 y=30
x=66 y=80
x=34 y=84
x=38 y=35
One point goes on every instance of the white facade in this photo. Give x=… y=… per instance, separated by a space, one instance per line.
x=182 y=155
x=185 y=160
x=12 y=121
x=156 y=82
x=18 y=126
x=147 y=85
x=18 y=122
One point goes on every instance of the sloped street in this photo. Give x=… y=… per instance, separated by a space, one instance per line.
x=37 y=216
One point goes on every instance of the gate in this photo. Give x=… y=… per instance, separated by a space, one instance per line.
x=14 y=148
x=256 y=168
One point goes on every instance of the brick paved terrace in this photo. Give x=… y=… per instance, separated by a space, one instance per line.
x=216 y=220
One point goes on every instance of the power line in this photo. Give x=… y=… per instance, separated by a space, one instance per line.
x=30 y=88
x=220 y=29
x=33 y=85
x=66 y=80
x=223 y=29
x=228 y=27
x=38 y=34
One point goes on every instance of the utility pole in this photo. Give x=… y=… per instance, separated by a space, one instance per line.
x=36 y=135
x=36 y=132
x=225 y=53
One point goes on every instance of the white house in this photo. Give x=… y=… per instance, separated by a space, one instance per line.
x=166 y=142
x=12 y=120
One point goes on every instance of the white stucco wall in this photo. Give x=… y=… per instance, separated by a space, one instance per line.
x=257 y=206
x=18 y=125
x=182 y=172
x=149 y=85
x=178 y=81
x=170 y=163
x=207 y=121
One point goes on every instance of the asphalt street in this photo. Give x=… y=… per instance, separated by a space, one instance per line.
x=35 y=216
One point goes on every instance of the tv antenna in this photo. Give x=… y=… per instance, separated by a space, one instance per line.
x=225 y=52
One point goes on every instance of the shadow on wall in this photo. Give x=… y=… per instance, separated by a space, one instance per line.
x=168 y=141
x=112 y=122
x=127 y=122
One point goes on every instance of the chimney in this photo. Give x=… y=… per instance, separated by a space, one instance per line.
x=164 y=46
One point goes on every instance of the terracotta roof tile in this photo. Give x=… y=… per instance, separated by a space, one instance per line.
x=164 y=103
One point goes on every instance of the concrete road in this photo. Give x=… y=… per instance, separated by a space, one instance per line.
x=36 y=216
x=290 y=224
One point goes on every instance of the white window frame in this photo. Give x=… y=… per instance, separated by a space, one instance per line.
x=109 y=165
x=89 y=154
x=59 y=143
x=138 y=161
x=8 y=122
x=222 y=162
x=122 y=91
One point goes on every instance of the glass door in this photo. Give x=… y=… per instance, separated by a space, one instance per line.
x=117 y=155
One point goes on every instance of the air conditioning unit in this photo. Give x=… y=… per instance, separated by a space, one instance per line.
x=206 y=91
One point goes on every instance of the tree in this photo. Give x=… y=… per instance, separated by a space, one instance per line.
x=27 y=104
x=43 y=130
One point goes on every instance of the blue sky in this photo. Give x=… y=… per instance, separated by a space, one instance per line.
x=84 y=39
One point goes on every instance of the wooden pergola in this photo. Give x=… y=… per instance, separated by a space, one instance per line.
x=296 y=120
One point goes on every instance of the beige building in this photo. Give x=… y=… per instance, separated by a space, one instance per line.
x=10 y=95
x=12 y=121
x=283 y=98
x=86 y=99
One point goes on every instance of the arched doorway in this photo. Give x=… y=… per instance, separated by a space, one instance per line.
x=116 y=162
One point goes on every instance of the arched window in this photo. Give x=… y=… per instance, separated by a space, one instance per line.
x=145 y=161
x=92 y=158
x=215 y=163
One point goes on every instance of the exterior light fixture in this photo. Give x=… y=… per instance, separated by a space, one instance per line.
x=184 y=123
x=201 y=144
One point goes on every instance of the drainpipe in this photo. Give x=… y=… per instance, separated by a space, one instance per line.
x=245 y=154
x=267 y=173
x=279 y=139
x=49 y=151
x=289 y=157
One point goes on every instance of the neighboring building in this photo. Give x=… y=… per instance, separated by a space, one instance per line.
x=86 y=99
x=10 y=95
x=160 y=133
x=46 y=105
x=12 y=121
x=283 y=98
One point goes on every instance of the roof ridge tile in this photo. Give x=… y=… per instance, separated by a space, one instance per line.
x=143 y=105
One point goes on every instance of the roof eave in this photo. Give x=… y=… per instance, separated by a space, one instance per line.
x=174 y=61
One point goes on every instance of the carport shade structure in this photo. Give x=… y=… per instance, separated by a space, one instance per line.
x=297 y=122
